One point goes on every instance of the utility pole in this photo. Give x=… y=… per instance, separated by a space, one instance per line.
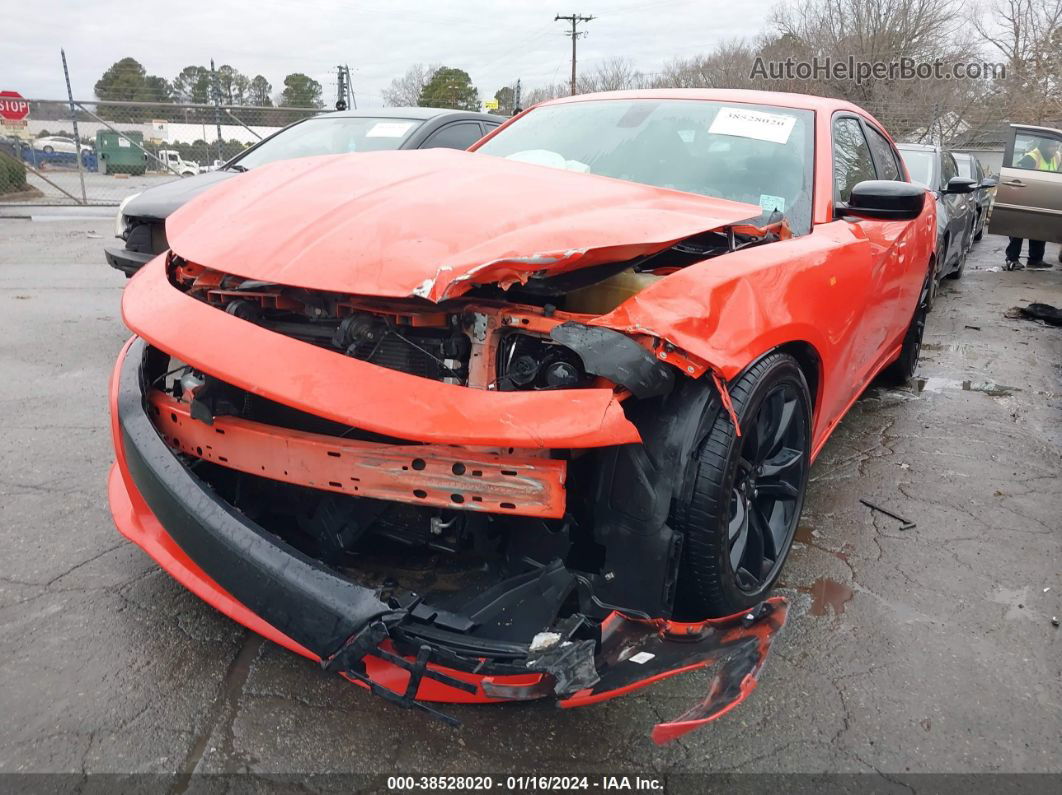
x=341 y=90
x=575 y=33
x=344 y=90
x=516 y=98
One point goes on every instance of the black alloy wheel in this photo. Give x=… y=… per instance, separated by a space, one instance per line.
x=771 y=470
x=745 y=493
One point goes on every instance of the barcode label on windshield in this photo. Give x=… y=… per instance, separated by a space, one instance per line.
x=773 y=127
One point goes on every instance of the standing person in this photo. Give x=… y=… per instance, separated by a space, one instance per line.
x=1043 y=157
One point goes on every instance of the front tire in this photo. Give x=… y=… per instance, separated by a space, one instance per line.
x=746 y=492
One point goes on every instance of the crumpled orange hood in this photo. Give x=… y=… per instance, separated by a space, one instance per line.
x=429 y=223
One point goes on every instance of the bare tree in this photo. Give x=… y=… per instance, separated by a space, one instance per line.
x=1028 y=34
x=540 y=94
x=922 y=33
x=612 y=74
x=405 y=91
x=727 y=66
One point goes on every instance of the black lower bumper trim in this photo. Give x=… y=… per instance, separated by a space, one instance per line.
x=128 y=262
x=297 y=595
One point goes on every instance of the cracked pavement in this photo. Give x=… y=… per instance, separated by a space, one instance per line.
x=925 y=650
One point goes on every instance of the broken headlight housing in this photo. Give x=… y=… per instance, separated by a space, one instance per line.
x=526 y=362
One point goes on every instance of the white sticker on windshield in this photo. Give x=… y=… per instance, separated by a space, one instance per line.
x=389 y=129
x=770 y=203
x=773 y=127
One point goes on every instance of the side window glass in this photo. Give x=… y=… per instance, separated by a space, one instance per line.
x=1037 y=152
x=852 y=162
x=884 y=155
x=454 y=136
x=948 y=169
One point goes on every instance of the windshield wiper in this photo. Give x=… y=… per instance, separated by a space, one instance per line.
x=236 y=167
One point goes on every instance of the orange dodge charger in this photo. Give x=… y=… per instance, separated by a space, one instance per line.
x=533 y=420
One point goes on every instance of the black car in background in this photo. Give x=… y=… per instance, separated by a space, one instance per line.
x=970 y=168
x=937 y=170
x=141 y=221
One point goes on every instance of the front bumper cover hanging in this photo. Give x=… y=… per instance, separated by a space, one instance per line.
x=407 y=651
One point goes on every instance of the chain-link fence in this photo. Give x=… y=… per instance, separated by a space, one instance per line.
x=121 y=148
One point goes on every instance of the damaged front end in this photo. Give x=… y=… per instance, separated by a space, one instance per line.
x=465 y=498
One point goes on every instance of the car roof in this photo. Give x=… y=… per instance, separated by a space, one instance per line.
x=779 y=98
x=407 y=112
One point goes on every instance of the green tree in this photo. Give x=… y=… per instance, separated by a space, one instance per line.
x=505 y=96
x=260 y=92
x=300 y=91
x=125 y=81
x=121 y=81
x=233 y=85
x=192 y=85
x=157 y=89
x=450 y=88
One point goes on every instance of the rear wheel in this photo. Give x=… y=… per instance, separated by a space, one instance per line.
x=935 y=277
x=902 y=370
x=746 y=492
x=960 y=268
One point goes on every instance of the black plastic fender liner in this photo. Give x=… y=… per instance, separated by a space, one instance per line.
x=615 y=356
x=294 y=593
x=638 y=485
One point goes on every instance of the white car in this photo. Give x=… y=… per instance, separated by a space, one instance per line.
x=58 y=143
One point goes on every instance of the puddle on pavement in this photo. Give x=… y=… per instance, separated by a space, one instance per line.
x=936 y=385
x=827 y=593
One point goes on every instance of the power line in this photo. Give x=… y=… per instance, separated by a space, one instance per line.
x=575 y=33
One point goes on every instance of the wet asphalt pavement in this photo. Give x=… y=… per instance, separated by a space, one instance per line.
x=921 y=650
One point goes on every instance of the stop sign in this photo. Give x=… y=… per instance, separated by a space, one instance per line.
x=12 y=106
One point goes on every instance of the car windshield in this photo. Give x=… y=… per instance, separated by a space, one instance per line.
x=751 y=153
x=920 y=166
x=331 y=135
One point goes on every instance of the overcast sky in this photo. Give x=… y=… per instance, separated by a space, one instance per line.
x=495 y=41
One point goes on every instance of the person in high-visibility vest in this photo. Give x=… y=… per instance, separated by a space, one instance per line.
x=1043 y=157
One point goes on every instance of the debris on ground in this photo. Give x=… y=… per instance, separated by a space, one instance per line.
x=1054 y=621
x=974 y=328
x=905 y=524
x=1045 y=313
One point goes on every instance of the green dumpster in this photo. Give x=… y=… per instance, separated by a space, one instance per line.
x=116 y=155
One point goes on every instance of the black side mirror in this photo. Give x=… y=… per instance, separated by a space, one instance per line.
x=988 y=182
x=960 y=185
x=886 y=199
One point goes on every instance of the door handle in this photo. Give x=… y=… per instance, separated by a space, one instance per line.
x=1014 y=183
